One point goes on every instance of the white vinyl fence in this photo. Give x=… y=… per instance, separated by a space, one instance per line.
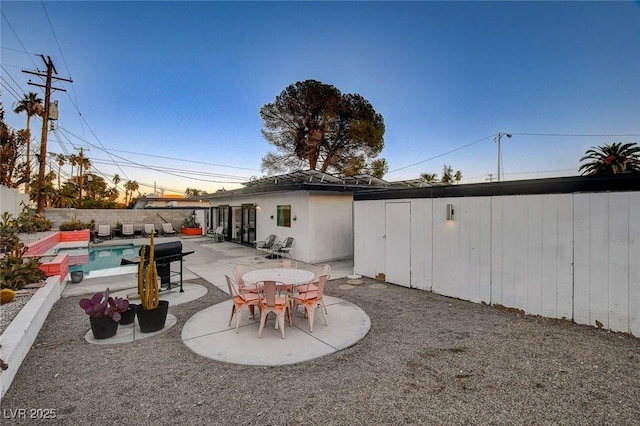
x=574 y=256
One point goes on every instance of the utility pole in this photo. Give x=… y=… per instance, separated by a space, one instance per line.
x=490 y=178
x=80 y=179
x=497 y=140
x=45 y=123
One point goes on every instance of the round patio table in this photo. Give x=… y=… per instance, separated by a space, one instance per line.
x=290 y=276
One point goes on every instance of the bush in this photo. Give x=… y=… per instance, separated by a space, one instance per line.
x=18 y=271
x=30 y=222
x=76 y=225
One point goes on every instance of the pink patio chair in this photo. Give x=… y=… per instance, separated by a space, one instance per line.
x=270 y=301
x=311 y=299
x=239 y=270
x=286 y=263
x=240 y=300
x=326 y=270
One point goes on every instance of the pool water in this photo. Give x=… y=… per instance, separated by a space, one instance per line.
x=99 y=258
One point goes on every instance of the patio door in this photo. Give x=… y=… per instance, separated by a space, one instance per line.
x=397 y=237
x=248 y=235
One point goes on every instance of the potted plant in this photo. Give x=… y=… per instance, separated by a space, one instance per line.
x=190 y=226
x=104 y=313
x=152 y=312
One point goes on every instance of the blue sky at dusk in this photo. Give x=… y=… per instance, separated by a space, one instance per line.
x=170 y=92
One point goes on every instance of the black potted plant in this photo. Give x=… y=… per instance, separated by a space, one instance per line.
x=152 y=312
x=104 y=313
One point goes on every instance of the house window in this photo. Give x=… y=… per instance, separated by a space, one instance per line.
x=284 y=216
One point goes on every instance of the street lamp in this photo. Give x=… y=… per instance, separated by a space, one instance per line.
x=497 y=140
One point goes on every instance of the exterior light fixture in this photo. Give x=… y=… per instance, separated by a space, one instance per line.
x=450 y=212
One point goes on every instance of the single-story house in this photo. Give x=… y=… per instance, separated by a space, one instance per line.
x=314 y=208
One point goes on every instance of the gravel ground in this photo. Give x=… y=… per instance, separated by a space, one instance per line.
x=427 y=359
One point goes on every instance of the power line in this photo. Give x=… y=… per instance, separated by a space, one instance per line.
x=20 y=41
x=443 y=154
x=165 y=157
x=573 y=135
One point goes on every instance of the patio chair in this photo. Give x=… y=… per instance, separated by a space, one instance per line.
x=282 y=249
x=270 y=301
x=104 y=231
x=312 y=286
x=149 y=228
x=239 y=270
x=266 y=244
x=286 y=263
x=240 y=300
x=167 y=229
x=216 y=234
x=127 y=230
x=311 y=299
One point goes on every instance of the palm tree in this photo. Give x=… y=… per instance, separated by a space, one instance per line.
x=32 y=105
x=73 y=160
x=447 y=174
x=609 y=159
x=429 y=177
x=129 y=187
x=61 y=162
x=458 y=176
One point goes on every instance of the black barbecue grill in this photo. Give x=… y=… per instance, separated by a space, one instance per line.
x=163 y=255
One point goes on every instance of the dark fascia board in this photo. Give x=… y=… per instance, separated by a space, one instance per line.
x=282 y=187
x=563 y=185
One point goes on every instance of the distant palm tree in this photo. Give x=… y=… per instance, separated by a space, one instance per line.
x=429 y=177
x=62 y=159
x=73 y=160
x=130 y=187
x=32 y=105
x=608 y=159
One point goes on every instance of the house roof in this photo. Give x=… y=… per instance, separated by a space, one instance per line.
x=562 y=185
x=307 y=180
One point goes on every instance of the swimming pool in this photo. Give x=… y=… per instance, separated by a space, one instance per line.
x=99 y=258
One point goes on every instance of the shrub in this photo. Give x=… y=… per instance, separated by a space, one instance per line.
x=30 y=222
x=18 y=271
x=76 y=225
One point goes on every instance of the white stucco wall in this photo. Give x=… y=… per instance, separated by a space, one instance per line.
x=322 y=229
x=330 y=227
x=12 y=200
x=572 y=256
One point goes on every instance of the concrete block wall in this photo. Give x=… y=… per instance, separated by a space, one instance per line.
x=136 y=217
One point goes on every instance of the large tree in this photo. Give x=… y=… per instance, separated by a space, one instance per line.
x=12 y=144
x=31 y=104
x=614 y=158
x=314 y=126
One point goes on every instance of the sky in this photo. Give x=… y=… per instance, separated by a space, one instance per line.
x=168 y=93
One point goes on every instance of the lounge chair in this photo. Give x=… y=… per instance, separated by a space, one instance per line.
x=167 y=229
x=104 y=231
x=127 y=231
x=149 y=228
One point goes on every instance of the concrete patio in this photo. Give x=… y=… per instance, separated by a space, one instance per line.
x=207 y=333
